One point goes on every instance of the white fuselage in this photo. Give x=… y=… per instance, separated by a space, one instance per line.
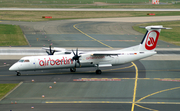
x=86 y=60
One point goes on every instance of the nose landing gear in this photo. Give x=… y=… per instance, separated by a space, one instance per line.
x=18 y=73
x=73 y=69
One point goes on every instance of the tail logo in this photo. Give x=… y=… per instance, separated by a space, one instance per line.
x=151 y=41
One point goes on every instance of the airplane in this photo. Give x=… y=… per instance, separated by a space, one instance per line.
x=78 y=59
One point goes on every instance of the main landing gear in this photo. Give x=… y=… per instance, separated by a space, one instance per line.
x=18 y=73
x=98 y=71
x=73 y=69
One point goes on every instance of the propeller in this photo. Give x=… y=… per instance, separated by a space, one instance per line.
x=76 y=57
x=50 y=51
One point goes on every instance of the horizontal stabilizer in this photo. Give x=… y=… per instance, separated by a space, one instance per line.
x=154 y=27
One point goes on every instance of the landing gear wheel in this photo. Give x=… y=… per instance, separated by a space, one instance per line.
x=18 y=73
x=73 y=69
x=98 y=72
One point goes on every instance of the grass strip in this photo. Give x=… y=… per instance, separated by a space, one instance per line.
x=87 y=4
x=61 y=15
x=171 y=36
x=5 y=88
x=11 y=35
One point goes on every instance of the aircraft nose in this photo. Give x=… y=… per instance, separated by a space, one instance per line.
x=14 y=67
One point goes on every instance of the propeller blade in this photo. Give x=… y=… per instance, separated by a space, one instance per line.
x=79 y=63
x=73 y=52
x=75 y=63
x=50 y=51
x=47 y=52
x=53 y=52
x=77 y=52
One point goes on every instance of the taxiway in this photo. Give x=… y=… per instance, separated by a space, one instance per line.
x=148 y=84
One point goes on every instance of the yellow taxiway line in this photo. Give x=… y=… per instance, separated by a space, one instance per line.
x=91 y=37
x=135 y=87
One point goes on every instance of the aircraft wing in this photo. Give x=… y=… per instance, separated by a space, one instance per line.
x=104 y=53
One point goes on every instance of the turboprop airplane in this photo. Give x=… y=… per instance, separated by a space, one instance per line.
x=72 y=60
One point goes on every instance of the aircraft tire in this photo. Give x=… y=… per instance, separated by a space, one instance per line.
x=98 y=71
x=73 y=69
x=18 y=74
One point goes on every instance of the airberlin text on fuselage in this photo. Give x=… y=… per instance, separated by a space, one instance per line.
x=52 y=62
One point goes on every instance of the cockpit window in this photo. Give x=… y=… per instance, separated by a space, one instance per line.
x=26 y=60
x=21 y=60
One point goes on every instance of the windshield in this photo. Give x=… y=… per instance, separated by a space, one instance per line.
x=21 y=60
x=26 y=60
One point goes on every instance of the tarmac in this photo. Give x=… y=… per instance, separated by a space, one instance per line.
x=148 y=84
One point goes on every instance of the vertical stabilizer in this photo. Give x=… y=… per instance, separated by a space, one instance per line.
x=151 y=37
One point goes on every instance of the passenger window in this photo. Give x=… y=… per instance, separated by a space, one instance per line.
x=21 y=61
x=26 y=60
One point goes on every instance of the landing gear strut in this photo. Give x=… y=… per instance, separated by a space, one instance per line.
x=18 y=73
x=98 y=71
x=73 y=69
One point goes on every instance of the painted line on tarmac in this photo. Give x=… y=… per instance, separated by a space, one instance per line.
x=5 y=65
x=145 y=107
x=6 y=75
x=86 y=102
x=97 y=79
x=160 y=79
x=11 y=91
x=173 y=80
x=95 y=40
x=154 y=103
x=157 y=93
x=91 y=37
x=158 y=102
x=119 y=79
x=135 y=86
x=130 y=102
